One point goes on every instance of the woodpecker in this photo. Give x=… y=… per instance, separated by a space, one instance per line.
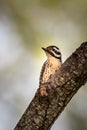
x=49 y=67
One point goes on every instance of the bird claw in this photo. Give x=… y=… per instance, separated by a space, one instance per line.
x=43 y=89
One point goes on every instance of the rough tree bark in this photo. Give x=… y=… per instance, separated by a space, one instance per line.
x=43 y=110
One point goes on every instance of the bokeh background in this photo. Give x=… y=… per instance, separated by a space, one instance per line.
x=25 y=27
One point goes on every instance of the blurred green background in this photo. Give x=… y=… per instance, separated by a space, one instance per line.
x=25 y=27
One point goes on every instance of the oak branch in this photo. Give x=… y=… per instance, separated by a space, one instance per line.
x=62 y=86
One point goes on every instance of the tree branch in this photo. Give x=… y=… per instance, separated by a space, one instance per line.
x=43 y=110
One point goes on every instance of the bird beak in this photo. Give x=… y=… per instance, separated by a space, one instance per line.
x=44 y=49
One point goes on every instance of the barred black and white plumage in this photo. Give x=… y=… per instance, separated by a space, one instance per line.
x=52 y=63
x=49 y=67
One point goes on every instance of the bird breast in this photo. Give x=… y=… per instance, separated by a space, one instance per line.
x=49 y=69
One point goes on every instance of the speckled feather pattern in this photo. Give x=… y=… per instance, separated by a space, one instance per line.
x=48 y=69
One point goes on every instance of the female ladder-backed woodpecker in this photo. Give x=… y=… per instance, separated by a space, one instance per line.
x=49 y=67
